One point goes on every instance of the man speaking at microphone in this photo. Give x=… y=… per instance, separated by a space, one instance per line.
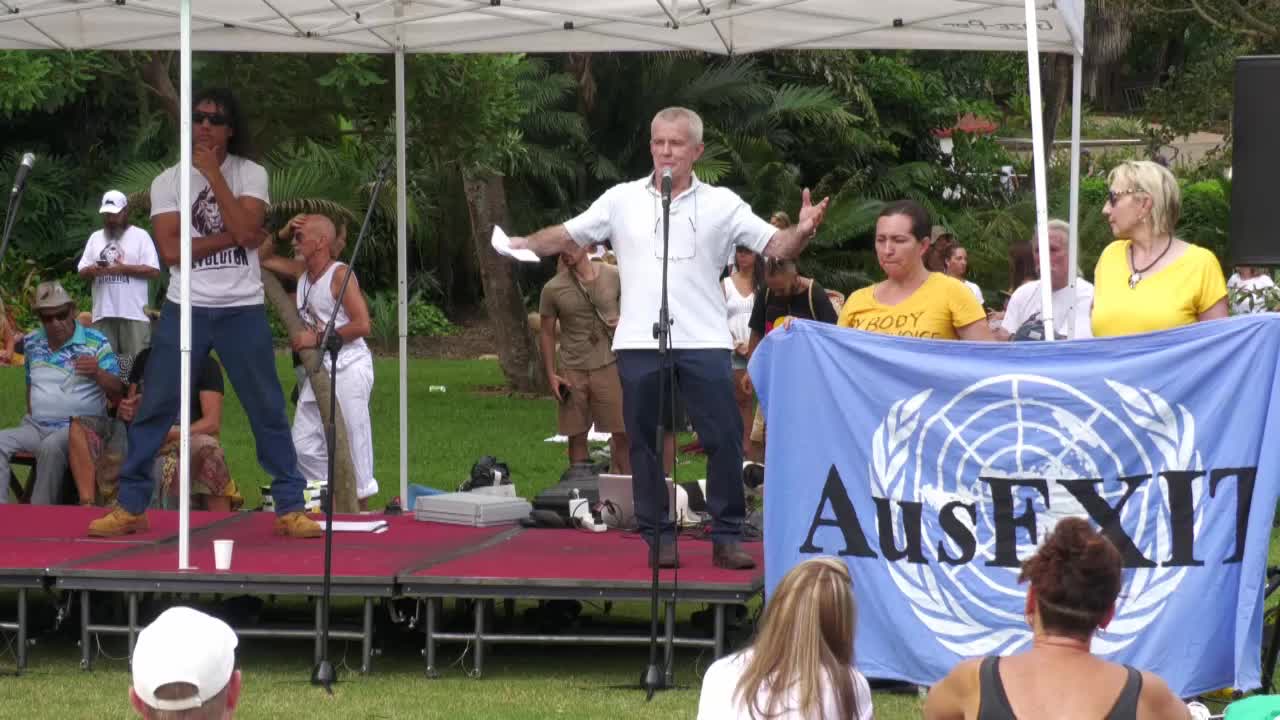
x=706 y=222
x=228 y=201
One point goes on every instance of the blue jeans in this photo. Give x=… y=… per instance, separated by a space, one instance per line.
x=705 y=379
x=242 y=339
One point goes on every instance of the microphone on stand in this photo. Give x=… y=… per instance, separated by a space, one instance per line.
x=666 y=185
x=20 y=182
x=15 y=199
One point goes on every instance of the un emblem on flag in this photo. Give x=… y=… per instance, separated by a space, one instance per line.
x=996 y=466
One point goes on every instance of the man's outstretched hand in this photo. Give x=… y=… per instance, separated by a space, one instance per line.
x=811 y=216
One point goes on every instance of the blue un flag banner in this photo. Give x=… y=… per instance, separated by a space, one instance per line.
x=935 y=468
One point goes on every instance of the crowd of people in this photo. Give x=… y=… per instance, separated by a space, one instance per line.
x=733 y=285
x=103 y=391
x=734 y=278
x=102 y=399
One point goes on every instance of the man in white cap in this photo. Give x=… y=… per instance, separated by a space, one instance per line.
x=119 y=259
x=184 y=667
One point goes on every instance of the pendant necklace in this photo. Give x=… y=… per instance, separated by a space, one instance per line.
x=1136 y=277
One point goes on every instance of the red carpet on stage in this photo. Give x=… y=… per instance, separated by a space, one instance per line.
x=573 y=555
x=48 y=547
x=259 y=552
x=59 y=522
x=53 y=541
x=34 y=538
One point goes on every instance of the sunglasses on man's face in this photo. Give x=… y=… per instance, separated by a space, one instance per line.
x=215 y=119
x=54 y=317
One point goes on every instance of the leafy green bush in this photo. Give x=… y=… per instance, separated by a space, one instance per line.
x=1206 y=216
x=424 y=318
x=428 y=319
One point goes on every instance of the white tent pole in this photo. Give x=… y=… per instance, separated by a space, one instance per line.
x=402 y=272
x=1073 y=253
x=1038 y=160
x=184 y=268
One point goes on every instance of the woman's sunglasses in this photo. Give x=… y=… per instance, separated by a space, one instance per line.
x=215 y=119
x=1113 y=196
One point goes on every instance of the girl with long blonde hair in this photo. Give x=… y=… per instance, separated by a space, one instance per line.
x=801 y=663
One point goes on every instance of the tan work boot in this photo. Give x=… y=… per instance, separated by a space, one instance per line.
x=297 y=524
x=118 y=522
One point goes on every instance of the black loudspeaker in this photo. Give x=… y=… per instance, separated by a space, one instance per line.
x=1255 y=193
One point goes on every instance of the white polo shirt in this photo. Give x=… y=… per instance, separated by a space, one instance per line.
x=706 y=223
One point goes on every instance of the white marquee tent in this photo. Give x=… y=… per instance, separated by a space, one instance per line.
x=477 y=26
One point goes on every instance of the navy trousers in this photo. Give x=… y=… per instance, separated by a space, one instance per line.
x=705 y=378
x=242 y=338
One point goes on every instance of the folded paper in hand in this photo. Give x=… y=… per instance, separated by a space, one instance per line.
x=502 y=244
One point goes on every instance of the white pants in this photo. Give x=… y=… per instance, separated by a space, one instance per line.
x=355 y=384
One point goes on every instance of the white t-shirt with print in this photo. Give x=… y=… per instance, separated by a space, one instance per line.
x=120 y=296
x=720 y=684
x=706 y=222
x=1025 y=304
x=230 y=277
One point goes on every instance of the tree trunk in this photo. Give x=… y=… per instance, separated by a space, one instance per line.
x=344 y=474
x=155 y=75
x=1056 y=84
x=487 y=205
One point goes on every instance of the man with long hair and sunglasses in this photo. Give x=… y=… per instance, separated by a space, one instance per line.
x=71 y=370
x=706 y=223
x=228 y=202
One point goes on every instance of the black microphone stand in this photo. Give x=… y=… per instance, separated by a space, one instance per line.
x=10 y=218
x=325 y=674
x=654 y=679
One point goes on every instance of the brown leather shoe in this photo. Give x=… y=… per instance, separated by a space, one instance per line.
x=731 y=556
x=297 y=524
x=118 y=522
x=666 y=556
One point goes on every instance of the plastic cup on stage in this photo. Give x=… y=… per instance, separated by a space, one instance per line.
x=222 y=554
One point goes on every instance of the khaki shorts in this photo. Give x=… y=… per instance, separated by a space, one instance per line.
x=595 y=397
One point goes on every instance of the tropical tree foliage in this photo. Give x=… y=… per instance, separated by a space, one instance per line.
x=527 y=141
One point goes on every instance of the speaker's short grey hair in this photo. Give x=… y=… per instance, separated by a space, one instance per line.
x=676 y=113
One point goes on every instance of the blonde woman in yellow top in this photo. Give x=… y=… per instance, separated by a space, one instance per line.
x=1147 y=279
x=912 y=301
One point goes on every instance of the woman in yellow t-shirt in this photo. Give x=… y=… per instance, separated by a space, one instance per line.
x=911 y=301
x=1147 y=279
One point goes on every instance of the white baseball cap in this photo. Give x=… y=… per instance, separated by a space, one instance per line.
x=113 y=201
x=183 y=646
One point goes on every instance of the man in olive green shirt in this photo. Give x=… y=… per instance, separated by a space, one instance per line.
x=584 y=298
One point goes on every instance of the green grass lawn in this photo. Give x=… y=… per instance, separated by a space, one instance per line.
x=448 y=432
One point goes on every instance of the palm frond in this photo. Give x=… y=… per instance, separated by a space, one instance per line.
x=713 y=166
x=732 y=82
x=135 y=179
x=813 y=105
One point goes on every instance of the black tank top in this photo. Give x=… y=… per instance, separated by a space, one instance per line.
x=994 y=703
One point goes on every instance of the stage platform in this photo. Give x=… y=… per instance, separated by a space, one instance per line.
x=46 y=547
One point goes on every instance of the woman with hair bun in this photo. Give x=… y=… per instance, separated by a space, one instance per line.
x=1074 y=581
x=800 y=665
